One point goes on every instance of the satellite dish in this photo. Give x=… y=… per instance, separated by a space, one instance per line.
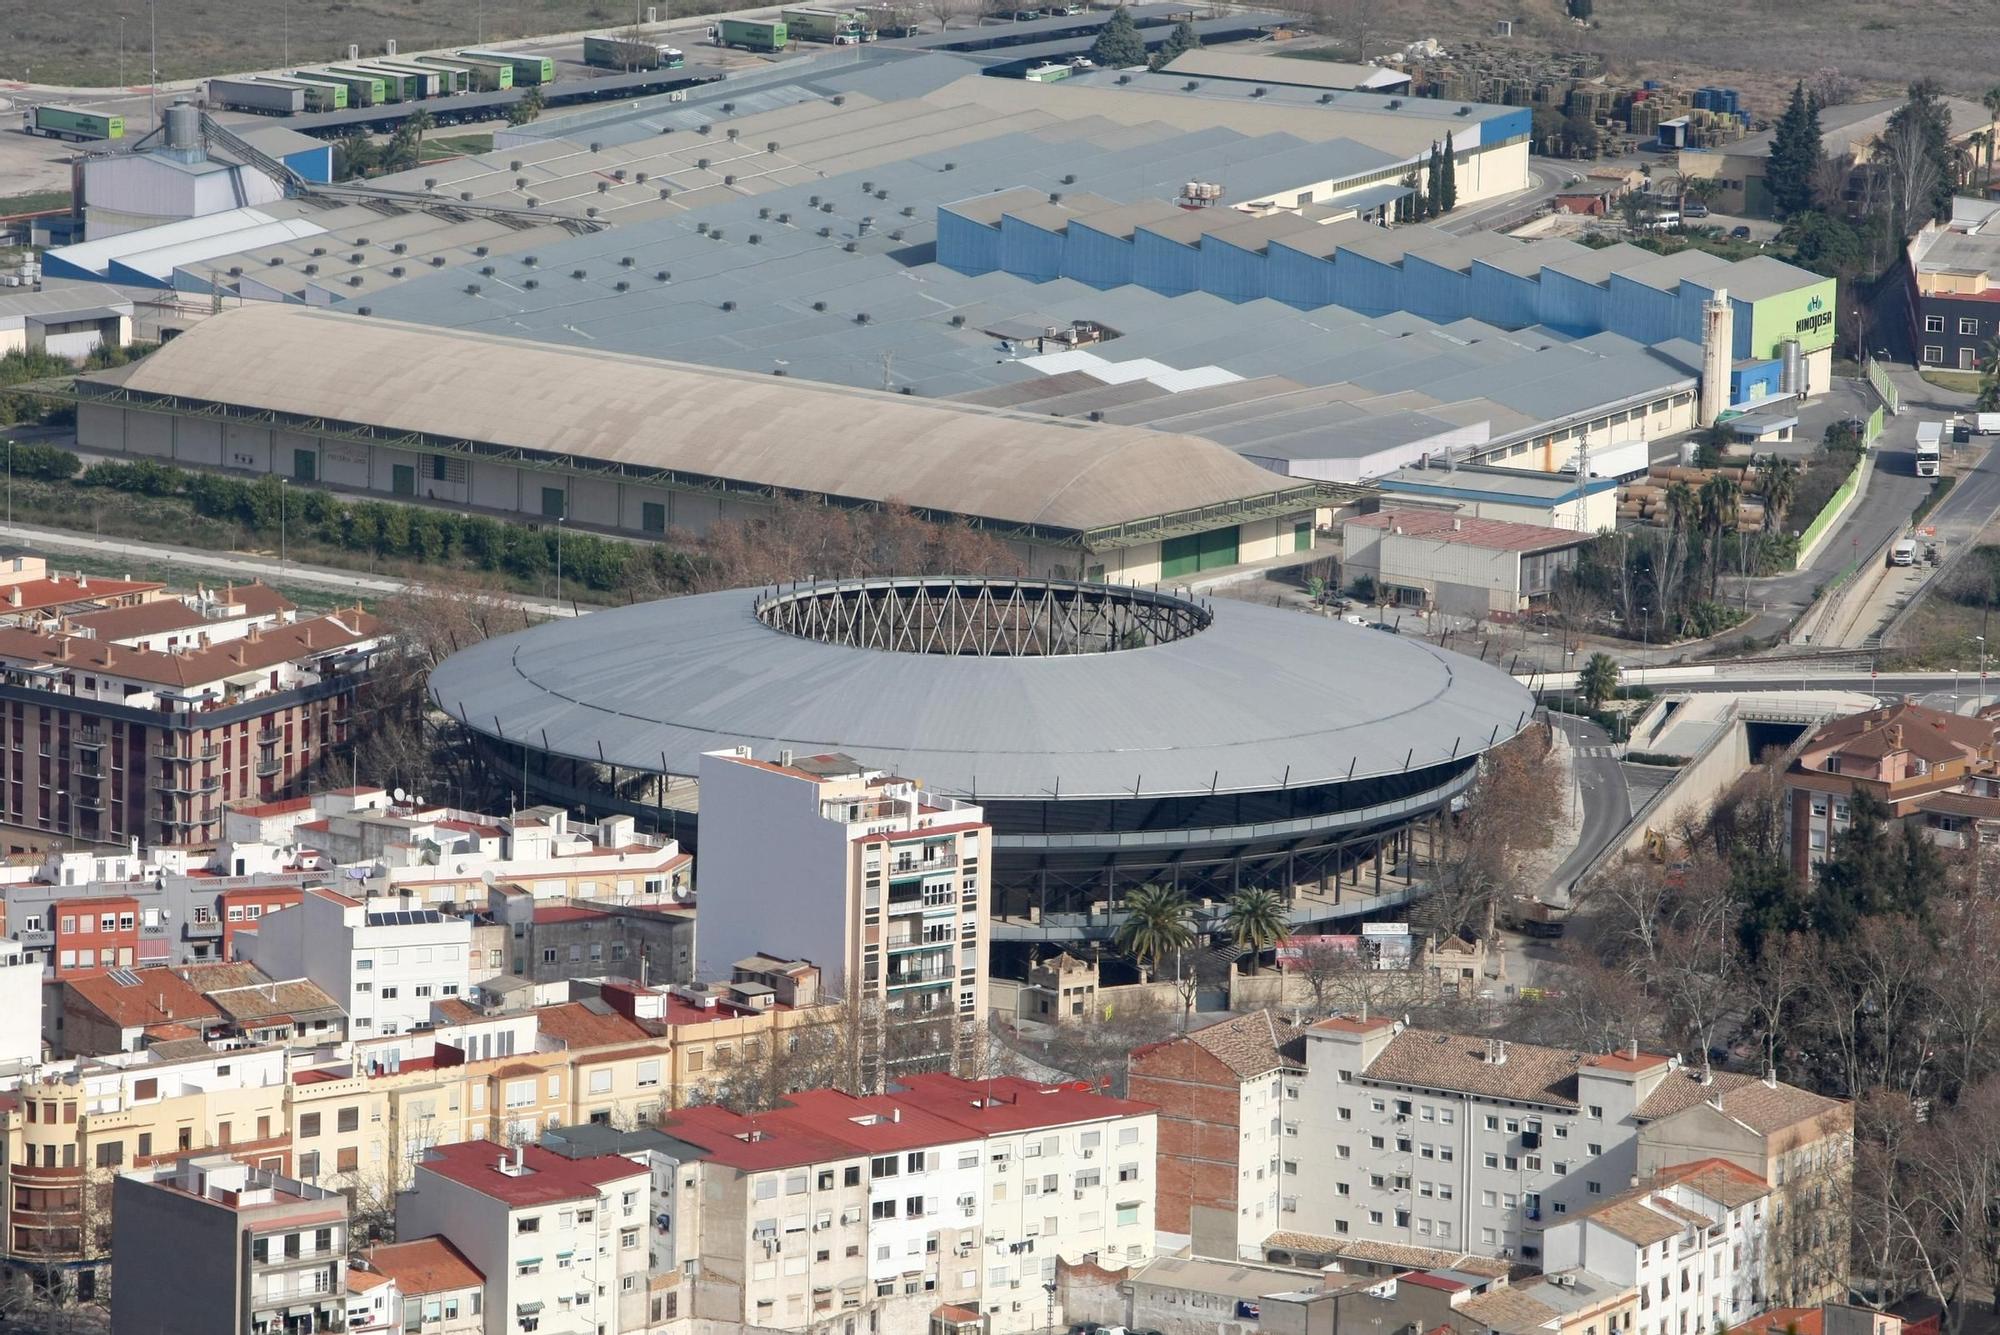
x=357 y=873
x=399 y=795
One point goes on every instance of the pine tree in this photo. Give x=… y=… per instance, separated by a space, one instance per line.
x=1448 y=192
x=1118 y=43
x=1795 y=153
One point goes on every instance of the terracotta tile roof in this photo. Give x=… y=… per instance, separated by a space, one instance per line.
x=425 y=1265
x=1934 y=734
x=1744 y=1097
x=1389 y=1253
x=1442 y=1283
x=1781 y=1320
x=1496 y=535
x=1506 y=1308
x=283 y=807
x=1430 y=1060
x=756 y=1143
x=1633 y=1216
x=1250 y=1045
x=577 y=1026
x=1346 y=1024
x=1719 y=1180
x=200 y=667
x=270 y=1001
x=551 y=1177
x=360 y=1281
x=1009 y=1103
x=156 y=996
x=59 y=591
x=555 y=913
x=453 y=1011
x=154 y=618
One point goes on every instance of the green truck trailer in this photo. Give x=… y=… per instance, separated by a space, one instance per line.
x=81 y=126
x=840 y=27
x=483 y=76
x=751 y=34
x=529 y=71
x=363 y=90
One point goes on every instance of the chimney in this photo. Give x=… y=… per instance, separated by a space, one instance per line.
x=1632 y=1049
x=256 y=632
x=1457 y=524
x=1770 y=1077
x=14 y=597
x=242 y=660
x=895 y=1114
x=109 y=649
x=1895 y=734
x=62 y=650
x=306 y=635
x=1707 y=1072
x=1718 y=338
x=1499 y=1052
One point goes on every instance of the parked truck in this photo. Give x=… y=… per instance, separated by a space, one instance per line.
x=751 y=34
x=841 y=27
x=1930 y=437
x=319 y=97
x=1986 y=424
x=271 y=99
x=1534 y=917
x=625 y=53
x=62 y=123
x=1625 y=459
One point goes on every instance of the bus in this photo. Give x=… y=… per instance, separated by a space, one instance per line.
x=319 y=96
x=62 y=123
x=363 y=90
x=430 y=82
x=481 y=76
x=529 y=71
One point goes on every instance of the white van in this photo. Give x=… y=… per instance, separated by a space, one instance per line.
x=1904 y=553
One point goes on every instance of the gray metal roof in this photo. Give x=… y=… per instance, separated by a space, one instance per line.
x=1261 y=698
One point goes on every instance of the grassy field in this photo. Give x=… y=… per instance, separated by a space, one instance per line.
x=438 y=149
x=39 y=201
x=76 y=42
x=1960 y=382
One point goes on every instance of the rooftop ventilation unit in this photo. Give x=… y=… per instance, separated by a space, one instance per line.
x=531 y=284
x=579 y=273
x=472 y=289
x=728 y=305
x=596 y=147
x=839 y=99
x=1190 y=86
x=664 y=276
x=364 y=310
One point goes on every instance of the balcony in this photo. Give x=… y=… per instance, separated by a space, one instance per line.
x=90 y=737
x=88 y=769
x=88 y=802
x=905 y=869
x=201 y=931
x=187 y=757
x=266 y=768
x=909 y=943
x=169 y=783
x=270 y=736
x=920 y=978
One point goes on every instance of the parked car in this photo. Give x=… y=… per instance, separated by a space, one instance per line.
x=1740 y=232
x=1696 y=209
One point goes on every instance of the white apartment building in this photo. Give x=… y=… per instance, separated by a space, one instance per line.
x=1439 y=1140
x=20 y=1006
x=1692 y=1241
x=560 y=1242
x=421 y=1287
x=381 y=959
x=944 y=1191
x=871 y=877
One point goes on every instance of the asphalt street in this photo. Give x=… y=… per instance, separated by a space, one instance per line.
x=1607 y=802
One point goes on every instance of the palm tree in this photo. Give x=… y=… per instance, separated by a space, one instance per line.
x=1598 y=680
x=1257 y=922
x=1781 y=484
x=1992 y=102
x=419 y=121
x=1718 y=511
x=1680 y=505
x=1158 y=921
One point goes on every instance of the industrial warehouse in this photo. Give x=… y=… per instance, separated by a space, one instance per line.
x=1113 y=737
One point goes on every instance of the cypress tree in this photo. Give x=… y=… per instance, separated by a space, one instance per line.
x=1433 y=183
x=1794 y=156
x=1448 y=197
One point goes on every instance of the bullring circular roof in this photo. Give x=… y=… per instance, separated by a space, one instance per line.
x=1023 y=689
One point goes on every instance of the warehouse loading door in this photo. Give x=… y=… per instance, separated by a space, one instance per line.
x=1181 y=557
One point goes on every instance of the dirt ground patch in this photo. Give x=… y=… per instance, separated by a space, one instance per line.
x=1760 y=48
x=76 y=42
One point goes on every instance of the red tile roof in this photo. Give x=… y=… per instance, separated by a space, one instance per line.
x=1424 y=1280
x=282 y=807
x=756 y=1143
x=577 y=1026
x=58 y=591
x=199 y=667
x=1343 y=1024
x=1779 y=1320
x=158 y=996
x=554 y=913
x=425 y=1265
x=550 y=1176
x=1497 y=535
x=1011 y=1103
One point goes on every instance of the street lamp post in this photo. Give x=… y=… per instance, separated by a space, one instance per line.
x=559 y=532
x=1645 y=642
x=282 y=483
x=1982 y=671
x=121 y=50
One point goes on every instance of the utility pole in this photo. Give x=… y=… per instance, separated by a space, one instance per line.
x=153 y=65
x=121 y=50
x=559 y=529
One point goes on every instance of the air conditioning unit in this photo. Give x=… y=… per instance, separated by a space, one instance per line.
x=1090 y=1154
x=1079 y=1193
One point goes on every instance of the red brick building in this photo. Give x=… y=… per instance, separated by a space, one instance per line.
x=1223 y=1093
x=243 y=908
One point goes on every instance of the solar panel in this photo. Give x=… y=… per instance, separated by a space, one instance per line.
x=124 y=977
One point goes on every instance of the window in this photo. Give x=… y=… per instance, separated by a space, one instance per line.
x=391 y=993
x=1968 y=327
x=1933 y=324
x=1934 y=353
x=528 y=1224
x=111 y=1154
x=649 y=1074
x=1595 y=1188
x=348 y=1119
x=628 y=1238
x=1492 y=1124
x=1597 y=1111
x=308 y=1161
x=347 y=1160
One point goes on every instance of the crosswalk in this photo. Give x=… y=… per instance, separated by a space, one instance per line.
x=1597 y=750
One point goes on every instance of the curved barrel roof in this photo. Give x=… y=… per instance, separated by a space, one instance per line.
x=1261 y=699
x=759 y=430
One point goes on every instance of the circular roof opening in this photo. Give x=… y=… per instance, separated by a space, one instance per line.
x=982 y=618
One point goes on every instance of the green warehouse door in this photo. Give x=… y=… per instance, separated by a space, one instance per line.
x=1180 y=557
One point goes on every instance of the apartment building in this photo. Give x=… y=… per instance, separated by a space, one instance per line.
x=122 y=1010
x=421 y=1287
x=21 y=1040
x=942 y=1191
x=1691 y=1242
x=384 y=959
x=68 y=1127
x=1228 y=1098
x=108 y=741
x=548 y=941
x=561 y=1242
x=871 y=876
x=210 y=1246
x=1436 y=1139
x=1953 y=270
x=1799 y=1142
x=1935 y=770
x=1069 y=1175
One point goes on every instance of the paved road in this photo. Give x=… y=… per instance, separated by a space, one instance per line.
x=1548 y=174
x=244 y=567
x=1607 y=803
